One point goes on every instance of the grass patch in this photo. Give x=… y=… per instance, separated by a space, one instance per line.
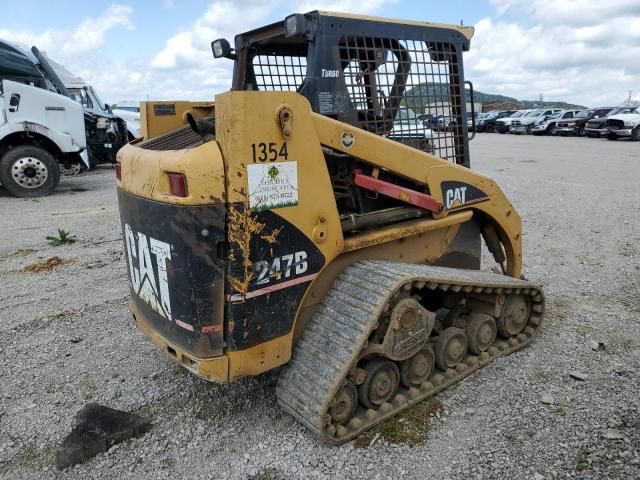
x=620 y=345
x=87 y=388
x=267 y=474
x=581 y=461
x=411 y=426
x=63 y=238
x=46 y=265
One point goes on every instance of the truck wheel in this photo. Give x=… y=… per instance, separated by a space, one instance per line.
x=635 y=134
x=29 y=171
x=529 y=128
x=612 y=136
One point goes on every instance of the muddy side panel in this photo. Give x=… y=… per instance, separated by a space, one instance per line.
x=283 y=264
x=175 y=276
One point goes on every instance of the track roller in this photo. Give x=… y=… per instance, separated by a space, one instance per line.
x=381 y=384
x=417 y=369
x=451 y=346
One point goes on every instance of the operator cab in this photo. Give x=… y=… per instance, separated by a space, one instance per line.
x=362 y=71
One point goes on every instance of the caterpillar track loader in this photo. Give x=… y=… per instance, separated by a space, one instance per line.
x=310 y=219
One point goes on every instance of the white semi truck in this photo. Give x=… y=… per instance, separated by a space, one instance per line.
x=39 y=129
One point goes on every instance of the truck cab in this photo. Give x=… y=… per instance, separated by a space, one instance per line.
x=40 y=129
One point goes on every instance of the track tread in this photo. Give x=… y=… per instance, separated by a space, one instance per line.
x=329 y=347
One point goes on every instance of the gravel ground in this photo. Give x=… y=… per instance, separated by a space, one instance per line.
x=66 y=339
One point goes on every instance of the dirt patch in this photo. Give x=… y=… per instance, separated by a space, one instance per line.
x=23 y=252
x=411 y=426
x=46 y=265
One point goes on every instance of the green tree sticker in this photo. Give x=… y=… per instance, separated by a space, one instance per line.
x=273 y=172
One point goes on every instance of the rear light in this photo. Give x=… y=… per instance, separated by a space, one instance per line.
x=118 y=171
x=178 y=184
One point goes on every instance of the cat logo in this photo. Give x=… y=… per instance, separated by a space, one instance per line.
x=455 y=197
x=142 y=275
x=459 y=194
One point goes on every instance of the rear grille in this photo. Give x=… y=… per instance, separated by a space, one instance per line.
x=178 y=139
x=615 y=123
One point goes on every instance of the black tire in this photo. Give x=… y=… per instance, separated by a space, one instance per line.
x=29 y=171
x=529 y=128
x=580 y=132
x=490 y=128
x=371 y=396
x=612 y=136
x=635 y=134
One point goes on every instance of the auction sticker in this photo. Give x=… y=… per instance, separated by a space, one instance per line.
x=273 y=185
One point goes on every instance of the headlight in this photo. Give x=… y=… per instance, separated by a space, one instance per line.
x=628 y=123
x=481 y=122
x=221 y=48
x=295 y=25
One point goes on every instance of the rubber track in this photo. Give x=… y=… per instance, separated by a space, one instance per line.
x=339 y=330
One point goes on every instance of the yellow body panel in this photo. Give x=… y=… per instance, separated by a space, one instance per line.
x=144 y=173
x=316 y=214
x=158 y=117
x=430 y=170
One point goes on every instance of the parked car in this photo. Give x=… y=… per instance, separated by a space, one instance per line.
x=470 y=125
x=597 y=125
x=503 y=124
x=408 y=129
x=547 y=125
x=525 y=123
x=576 y=125
x=130 y=111
x=624 y=124
x=488 y=123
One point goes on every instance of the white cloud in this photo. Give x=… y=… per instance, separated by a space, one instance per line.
x=351 y=6
x=576 y=51
x=582 y=51
x=87 y=36
x=186 y=56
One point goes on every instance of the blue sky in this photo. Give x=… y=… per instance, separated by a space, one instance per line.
x=584 y=51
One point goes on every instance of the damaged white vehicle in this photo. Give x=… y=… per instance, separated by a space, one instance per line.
x=40 y=129
x=624 y=124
